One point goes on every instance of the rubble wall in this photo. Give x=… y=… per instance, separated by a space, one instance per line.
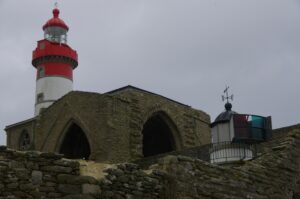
x=274 y=174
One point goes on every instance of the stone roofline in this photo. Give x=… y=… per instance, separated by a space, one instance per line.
x=109 y=93
x=129 y=87
x=20 y=123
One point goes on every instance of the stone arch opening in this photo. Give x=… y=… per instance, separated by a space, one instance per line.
x=157 y=136
x=75 y=144
x=24 y=141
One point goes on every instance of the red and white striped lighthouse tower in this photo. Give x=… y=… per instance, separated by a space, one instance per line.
x=55 y=62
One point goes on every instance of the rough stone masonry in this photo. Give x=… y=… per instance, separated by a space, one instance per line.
x=274 y=174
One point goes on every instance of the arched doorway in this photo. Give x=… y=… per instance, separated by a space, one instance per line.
x=24 y=141
x=157 y=136
x=75 y=144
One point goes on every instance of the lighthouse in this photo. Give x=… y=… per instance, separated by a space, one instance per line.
x=54 y=61
x=235 y=136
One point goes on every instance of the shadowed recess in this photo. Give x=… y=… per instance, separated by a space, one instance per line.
x=75 y=144
x=157 y=137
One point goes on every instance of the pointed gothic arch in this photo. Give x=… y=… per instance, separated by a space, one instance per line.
x=75 y=144
x=159 y=135
x=24 y=141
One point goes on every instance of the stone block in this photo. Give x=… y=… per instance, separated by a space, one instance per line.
x=117 y=172
x=16 y=164
x=54 y=195
x=36 y=177
x=70 y=179
x=51 y=155
x=12 y=185
x=22 y=173
x=21 y=194
x=67 y=163
x=71 y=189
x=27 y=187
x=31 y=166
x=57 y=169
x=38 y=195
x=78 y=196
x=46 y=189
x=50 y=178
x=91 y=189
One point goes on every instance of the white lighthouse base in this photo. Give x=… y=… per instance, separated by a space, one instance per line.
x=230 y=155
x=49 y=89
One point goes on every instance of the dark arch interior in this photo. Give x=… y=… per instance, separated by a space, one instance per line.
x=24 y=142
x=157 y=137
x=75 y=144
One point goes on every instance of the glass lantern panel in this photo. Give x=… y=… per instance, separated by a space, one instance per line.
x=56 y=34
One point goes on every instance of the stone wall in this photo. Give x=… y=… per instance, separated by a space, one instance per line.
x=190 y=127
x=200 y=152
x=47 y=175
x=281 y=132
x=129 y=181
x=41 y=175
x=272 y=175
x=27 y=126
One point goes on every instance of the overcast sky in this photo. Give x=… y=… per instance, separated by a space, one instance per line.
x=187 y=50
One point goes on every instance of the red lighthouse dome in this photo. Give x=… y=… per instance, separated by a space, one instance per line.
x=55 y=21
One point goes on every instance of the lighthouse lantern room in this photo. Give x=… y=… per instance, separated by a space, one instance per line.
x=55 y=61
x=234 y=136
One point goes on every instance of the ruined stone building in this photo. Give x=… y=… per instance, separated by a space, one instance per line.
x=117 y=126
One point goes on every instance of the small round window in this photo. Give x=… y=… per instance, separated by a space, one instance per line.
x=24 y=143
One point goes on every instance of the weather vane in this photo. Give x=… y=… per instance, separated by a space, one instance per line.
x=56 y=5
x=227 y=97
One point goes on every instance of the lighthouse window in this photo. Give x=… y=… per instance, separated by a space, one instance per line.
x=56 y=34
x=41 y=72
x=24 y=143
x=40 y=98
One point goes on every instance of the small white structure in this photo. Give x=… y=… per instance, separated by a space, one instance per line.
x=234 y=136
